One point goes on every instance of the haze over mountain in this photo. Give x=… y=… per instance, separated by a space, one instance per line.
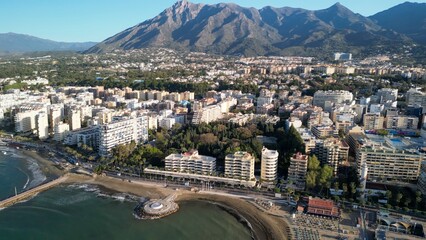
x=21 y=43
x=407 y=18
x=231 y=29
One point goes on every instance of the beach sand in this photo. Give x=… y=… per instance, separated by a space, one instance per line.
x=264 y=226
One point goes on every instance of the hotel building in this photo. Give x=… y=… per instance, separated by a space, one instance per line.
x=191 y=162
x=239 y=165
x=269 y=164
x=297 y=170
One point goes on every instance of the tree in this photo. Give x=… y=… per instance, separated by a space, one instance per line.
x=388 y=194
x=398 y=198
x=313 y=163
x=325 y=176
x=418 y=198
x=311 y=179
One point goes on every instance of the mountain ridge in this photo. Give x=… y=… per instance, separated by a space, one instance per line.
x=23 y=43
x=227 y=28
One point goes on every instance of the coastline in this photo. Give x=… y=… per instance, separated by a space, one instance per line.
x=262 y=225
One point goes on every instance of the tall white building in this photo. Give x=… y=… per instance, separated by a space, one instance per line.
x=75 y=119
x=122 y=131
x=191 y=162
x=240 y=165
x=25 y=121
x=56 y=113
x=42 y=123
x=60 y=132
x=269 y=165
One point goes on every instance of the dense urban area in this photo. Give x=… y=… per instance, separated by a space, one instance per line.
x=342 y=143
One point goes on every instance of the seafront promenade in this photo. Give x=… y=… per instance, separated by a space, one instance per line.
x=27 y=194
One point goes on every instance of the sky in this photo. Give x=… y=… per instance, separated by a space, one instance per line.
x=96 y=20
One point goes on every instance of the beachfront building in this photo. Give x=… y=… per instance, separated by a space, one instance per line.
x=25 y=121
x=269 y=165
x=240 y=165
x=390 y=159
x=60 y=132
x=122 y=131
x=332 y=151
x=297 y=170
x=42 y=125
x=191 y=162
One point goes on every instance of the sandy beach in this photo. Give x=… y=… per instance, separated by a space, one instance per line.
x=264 y=226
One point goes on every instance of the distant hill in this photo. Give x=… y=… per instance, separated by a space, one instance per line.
x=227 y=28
x=21 y=43
x=407 y=18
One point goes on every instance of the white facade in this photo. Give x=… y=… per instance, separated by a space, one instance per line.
x=269 y=165
x=336 y=97
x=42 y=122
x=207 y=115
x=122 y=131
x=75 y=119
x=240 y=165
x=191 y=162
x=25 y=121
x=60 y=131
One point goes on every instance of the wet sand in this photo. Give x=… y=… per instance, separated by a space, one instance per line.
x=49 y=168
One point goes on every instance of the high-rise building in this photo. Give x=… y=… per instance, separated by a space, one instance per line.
x=60 y=131
x=25 y=121
x=240 y=165
x=389 y=159
x=42 y=123
x=297 y=170
x=207 y=114
x=269 y=165
x=191 y=162
x=332 y=151
x=75 y=119
x=122 y=131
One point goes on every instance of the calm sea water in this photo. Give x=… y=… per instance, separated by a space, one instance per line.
x=85 y=212
x=17 y=171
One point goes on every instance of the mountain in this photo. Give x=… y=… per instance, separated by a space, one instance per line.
x=407 y=18
x=20 y=43
x=232 y=29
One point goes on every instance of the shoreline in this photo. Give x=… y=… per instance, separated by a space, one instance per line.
x=260 y=224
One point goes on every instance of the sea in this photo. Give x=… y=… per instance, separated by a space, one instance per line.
x=82 y=211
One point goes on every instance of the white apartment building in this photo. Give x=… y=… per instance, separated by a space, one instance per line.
x=191 y=162
x=25 y=121
x=60 y=132
x=321 y=98
x=122 y=131
x=269 y=165
x=207 y=114
x=75 y=119
x=416 y=97
x=240 y=165
x=42 y=125
x=386 y=163
x=297 y=170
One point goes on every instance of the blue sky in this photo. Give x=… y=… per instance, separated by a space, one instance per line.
x=95 y=20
